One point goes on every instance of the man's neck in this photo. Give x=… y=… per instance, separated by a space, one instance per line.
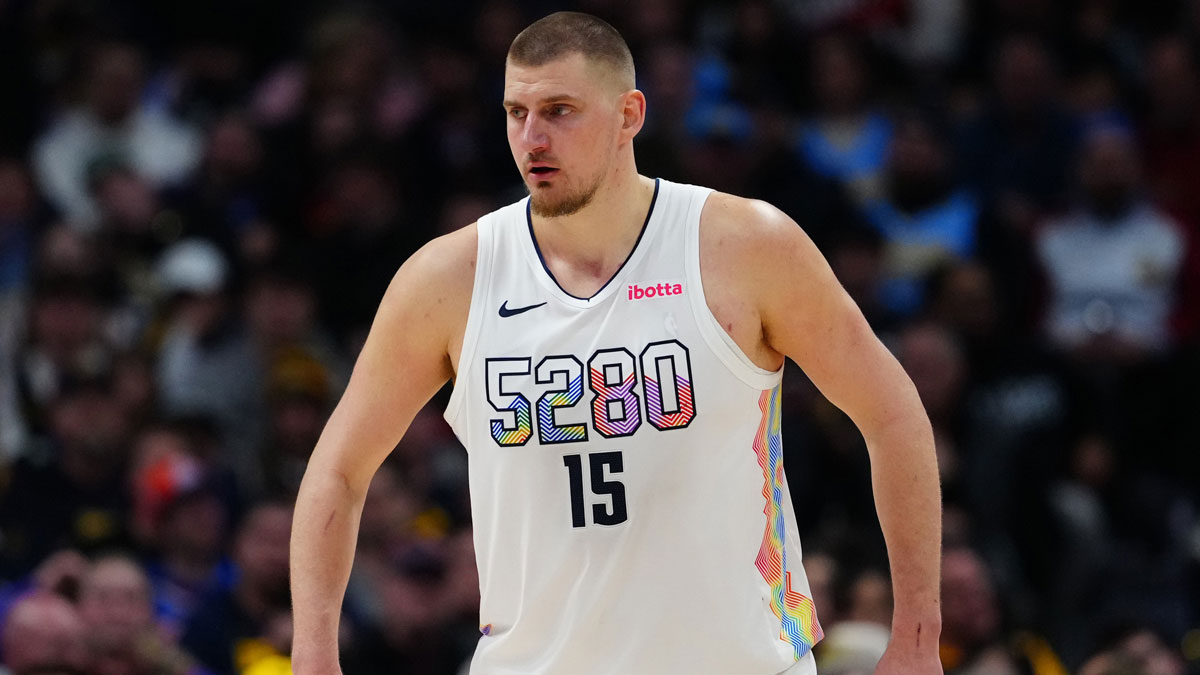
x=597 y=239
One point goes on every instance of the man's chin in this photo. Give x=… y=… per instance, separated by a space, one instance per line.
x=546 y=202
x=554 y=208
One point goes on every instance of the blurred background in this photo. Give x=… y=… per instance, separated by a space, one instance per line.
x=201 y=204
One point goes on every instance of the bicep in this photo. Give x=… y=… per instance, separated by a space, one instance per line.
x=402 y=365
x=810 y=318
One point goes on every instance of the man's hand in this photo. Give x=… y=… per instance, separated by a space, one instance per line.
x=912 y=651
x=905 y=661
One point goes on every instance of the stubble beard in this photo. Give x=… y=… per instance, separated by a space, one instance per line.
x=569 y=204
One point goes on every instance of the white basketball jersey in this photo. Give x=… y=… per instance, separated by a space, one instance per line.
x=627 y=489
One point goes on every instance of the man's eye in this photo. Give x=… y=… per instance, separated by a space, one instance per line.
x=560 y=110
x=517 y=113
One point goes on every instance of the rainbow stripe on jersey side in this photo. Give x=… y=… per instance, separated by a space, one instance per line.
x=796 y=613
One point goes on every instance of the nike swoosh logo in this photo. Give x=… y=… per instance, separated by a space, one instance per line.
x=506 y=312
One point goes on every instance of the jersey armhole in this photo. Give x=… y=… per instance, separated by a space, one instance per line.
x=719 y=341
x=483 y=268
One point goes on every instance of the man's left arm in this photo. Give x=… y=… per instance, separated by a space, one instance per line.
x=807 y=315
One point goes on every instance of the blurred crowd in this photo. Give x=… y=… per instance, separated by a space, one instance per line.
x=201 y=204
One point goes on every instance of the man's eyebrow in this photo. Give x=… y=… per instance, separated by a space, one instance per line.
x=556 y=98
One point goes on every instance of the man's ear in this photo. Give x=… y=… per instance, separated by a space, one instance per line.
x=633 y=112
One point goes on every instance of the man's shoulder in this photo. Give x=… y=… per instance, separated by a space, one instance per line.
x=1150 y=221
x=749 y=249
x=445 y=258
x=439 y=277
x=744 y=226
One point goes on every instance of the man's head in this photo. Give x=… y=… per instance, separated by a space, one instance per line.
x=1024 y=76
x=1110 y=169
x=116 y=604
x=115 y=76
x=261 y=552
x=572 y=109
x=935 y=362
x=44 y=634
x=970 y=609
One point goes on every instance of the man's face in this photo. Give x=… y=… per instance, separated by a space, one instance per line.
x=969 y=610
x=1110 y=172
x=564 y=128
x=261 y=551
x=115 y=603
x=115 y=82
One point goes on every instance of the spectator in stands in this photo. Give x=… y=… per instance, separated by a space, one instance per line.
x=110 y=122
x=389 y=511
x=856 y=255
x=1135 y=650
x=1014 y=409
x=414 y=626
x=855 y=643
x=181 y=516
x=972 y=642
x=208 y=365
x=281 y=316
x=65 y=339
x=133 y=387
x=1171 y=136
x=230 y=201
x=925 y=218
x=360 y=229
x=931 y=36
x=17 y=222
x=43 y=634
x=72 y=495
x=133 y=230
x=848 y=136
x=1016 y=150
x=259 y=600
x=1171 y=142
x=934 y=360
x=668 y=79
x=18 y=216
x=299 y=402
x=1084 y=552
x=722 y=145
x=116 y=607
x=1112 y=264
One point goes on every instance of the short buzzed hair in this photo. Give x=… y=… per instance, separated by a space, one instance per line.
x=564 y=33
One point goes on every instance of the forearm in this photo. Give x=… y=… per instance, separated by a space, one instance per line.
x=908 y=499
x=324 y=534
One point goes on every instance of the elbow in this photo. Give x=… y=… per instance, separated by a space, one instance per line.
x=906 y=426
x=331 y=480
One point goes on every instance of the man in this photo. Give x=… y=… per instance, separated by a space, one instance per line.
x=116 y=604
x=43 y=633
x=234 y=625
x=1112 y=264
x=621 y=528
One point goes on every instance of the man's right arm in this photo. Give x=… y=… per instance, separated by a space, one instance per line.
x=404 y=361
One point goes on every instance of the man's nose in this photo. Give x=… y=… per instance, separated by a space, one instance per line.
x=533 y=135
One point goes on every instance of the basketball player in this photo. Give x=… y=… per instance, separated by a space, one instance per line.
x=616 y=344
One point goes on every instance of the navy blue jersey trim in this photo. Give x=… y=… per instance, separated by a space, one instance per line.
x=536 y=247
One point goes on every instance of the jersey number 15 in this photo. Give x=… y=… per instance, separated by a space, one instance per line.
x=616 y=409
